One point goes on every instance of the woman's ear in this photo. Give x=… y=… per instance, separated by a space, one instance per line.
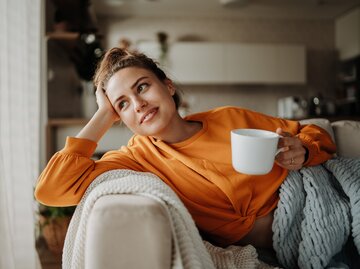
x=170 y=86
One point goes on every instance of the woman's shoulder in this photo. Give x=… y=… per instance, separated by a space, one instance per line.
x=218 y=112
x=135 y=145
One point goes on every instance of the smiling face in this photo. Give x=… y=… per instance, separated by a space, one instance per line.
x=143 y=102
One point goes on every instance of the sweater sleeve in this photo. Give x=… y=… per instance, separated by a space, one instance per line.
x=71 y=170
x=315 y=139
x=318 y=143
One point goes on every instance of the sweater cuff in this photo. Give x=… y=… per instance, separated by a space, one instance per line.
x=79 y=146
x=307 y=143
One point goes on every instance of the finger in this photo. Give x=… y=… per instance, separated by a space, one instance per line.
x=291 y=153
x=281 y=132
x=100 y=89
x=292 y=157
x=297 y=160
x=292 y=163
x=289 y=142
x=294 y=166
x=283 y=135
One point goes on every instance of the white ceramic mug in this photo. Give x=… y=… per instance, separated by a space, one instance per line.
x=253 y=150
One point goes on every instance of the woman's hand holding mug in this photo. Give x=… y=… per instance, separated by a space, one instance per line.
x=292 y=152
x=254 y=151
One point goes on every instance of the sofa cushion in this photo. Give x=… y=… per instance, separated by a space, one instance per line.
x=347 y=136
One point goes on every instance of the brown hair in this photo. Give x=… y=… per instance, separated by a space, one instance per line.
x=117 y=58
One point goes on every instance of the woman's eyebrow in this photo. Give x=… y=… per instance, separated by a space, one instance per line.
x=132 y=87
x=137 y=81
x=117 y=99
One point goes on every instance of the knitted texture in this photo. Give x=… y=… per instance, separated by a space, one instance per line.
x=348 y=174
x=313 y=219
x=189 y=250
x=236 y=257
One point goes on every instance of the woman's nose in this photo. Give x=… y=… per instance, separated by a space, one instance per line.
x=139 y=104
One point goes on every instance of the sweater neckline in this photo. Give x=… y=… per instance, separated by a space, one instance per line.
x=190 y=139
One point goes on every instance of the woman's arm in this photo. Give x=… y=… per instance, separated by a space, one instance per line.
x=102 y=120
x=68 y=173
x=71 y=170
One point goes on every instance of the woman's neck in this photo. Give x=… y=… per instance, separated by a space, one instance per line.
x=180 y=130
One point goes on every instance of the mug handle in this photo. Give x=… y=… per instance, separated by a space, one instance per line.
x=278 y=151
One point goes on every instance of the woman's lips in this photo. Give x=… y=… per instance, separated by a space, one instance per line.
x=148 y=115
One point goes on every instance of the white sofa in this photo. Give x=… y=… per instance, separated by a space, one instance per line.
x=129 y=231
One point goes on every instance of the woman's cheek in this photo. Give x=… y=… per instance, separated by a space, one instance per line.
x=128 y=118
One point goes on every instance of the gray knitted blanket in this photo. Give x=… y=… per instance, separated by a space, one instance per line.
x=319 y=209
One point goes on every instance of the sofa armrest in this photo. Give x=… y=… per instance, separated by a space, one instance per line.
x=347 y=138
x=345 y=133
x=128 y=231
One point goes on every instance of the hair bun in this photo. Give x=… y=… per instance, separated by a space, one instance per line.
x=119 y=52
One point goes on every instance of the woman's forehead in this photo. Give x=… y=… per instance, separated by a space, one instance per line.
x=129 y=74
x=125 y=78
x=132 y=72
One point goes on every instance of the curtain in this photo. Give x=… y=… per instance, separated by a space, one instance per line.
x=20 y=33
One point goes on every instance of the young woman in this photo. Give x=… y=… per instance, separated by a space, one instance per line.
x=192 y=154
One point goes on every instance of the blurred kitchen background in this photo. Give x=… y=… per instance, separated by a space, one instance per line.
x=289 y=58
x=294 y=59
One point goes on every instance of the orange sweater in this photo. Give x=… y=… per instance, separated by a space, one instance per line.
x=223 y=202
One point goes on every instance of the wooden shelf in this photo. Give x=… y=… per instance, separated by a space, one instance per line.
x=63 y=36
x=68 y=36
x=67 y=121
x=67 y=40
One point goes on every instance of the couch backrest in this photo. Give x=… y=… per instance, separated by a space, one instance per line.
x=323 y=123
x=347 y=137
x=345 y=133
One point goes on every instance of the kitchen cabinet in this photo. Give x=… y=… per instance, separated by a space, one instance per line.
x=347 y=34
x=189 y=62
x=250 y=63
x=231 y=63
x=193 y=63
x=263 y=63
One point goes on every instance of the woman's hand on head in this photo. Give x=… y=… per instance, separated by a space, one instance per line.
x=292 y=154
x=104 y=104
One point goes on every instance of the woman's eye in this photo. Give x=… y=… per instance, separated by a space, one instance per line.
x=122 y=104
x=142 y=87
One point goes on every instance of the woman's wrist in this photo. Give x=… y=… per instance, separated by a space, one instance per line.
x=106 y=115
x=97 y=126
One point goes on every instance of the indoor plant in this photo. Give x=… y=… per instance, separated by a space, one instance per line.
x=54 y=222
